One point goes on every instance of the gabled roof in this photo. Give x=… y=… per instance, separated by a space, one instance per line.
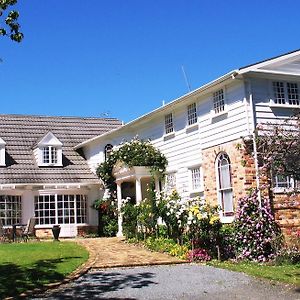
x=2 y=142
x=292 y=57
x=21 y=132
x=49 y=139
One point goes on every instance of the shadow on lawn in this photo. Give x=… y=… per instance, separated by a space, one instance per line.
x=96 y=284
x=15 y=279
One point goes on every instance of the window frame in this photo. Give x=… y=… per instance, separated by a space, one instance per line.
x=216 y=102
x=285 y=94
x=12 y=209
x=288 y=185
x=193 y=188
x=225 y=217
x=52 y=155
x=169 y=124
x=107 y=150
x=192 y=115
x=173 y=185
x=65 y=207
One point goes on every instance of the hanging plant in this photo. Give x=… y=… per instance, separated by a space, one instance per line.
x=134 y=153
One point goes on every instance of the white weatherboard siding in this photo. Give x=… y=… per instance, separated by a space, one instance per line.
x=229 y=126
x=262 y=92
x=183 y=148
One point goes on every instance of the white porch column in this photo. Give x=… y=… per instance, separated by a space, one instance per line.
x=138 y=190
x=157 y=188
x=120 y=217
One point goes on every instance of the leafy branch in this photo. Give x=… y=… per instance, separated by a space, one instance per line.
x=11 y=27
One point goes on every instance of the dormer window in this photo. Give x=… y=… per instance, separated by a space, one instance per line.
x=50 y=155
x=2 y=152
x=49 y=151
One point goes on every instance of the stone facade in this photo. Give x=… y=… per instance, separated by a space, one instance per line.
x=287 y=213
x=286 y=206
x=243 y=174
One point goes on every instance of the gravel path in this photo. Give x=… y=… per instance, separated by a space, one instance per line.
x=170 y=282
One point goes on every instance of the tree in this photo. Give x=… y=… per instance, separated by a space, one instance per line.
x=11 y=27
x=278 y=148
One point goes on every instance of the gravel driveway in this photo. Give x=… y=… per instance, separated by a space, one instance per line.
x=170 y=282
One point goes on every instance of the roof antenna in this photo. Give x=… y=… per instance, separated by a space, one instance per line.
x=186 y=79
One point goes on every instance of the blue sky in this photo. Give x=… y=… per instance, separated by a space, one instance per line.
x=124 y=57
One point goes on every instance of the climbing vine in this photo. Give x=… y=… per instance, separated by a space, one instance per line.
x=134 y=153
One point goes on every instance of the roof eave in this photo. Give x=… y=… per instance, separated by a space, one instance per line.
x=231 y=74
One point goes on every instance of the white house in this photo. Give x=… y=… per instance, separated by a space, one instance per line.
x=48 y=164
x=199 y=133
x=42 y=175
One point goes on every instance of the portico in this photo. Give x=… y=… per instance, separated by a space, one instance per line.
x=132 y=182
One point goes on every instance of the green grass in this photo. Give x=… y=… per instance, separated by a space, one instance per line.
x=30 y=265
x=283 y=273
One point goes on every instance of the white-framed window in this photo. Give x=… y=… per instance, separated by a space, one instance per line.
x=224 y=185
x=192 y=114
x=107 y=150
x=60 y=209
x=170 y=181
x=285 y=93
x=219 y=101
x=49 y=155
x=49 y=151
x=283 y=182
x=169 y=126
x=196 y=182
x=10 y=209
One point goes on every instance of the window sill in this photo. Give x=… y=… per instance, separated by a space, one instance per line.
x=50 y=165
x=283 y=105
x=282 y=190
x=228 y=219
x=168 y=136
x=198 y=191
x=214 y=115
x=191 y=127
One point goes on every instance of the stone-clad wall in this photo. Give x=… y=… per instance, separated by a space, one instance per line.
x=286 y=206
x=287 y=213
x=242 y=170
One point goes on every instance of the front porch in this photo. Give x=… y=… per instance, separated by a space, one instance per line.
x=133 y=183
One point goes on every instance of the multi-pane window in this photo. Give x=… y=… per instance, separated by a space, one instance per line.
x=171 y=181
x=196 y=178
x=10 y=209
x=60 y=209
x=218 y=100
x=224 y=184
x=169 y=126
x=285 y=182
x=293 y=96
x=286 y=93
x=49 y=155
x=45 y=209
x=192 y=114
x=107 y=151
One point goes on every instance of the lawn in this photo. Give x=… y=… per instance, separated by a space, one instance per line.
x=26 y=266
x=287 y=273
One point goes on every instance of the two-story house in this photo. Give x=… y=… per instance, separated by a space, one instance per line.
x=48 y=164
x=200 y=131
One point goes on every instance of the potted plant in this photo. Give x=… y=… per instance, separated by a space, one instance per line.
x=56 y=232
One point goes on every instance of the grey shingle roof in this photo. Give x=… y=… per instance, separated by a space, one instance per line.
x=21 y=133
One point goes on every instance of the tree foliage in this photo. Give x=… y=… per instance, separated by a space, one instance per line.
x=133 y=153
x=11 y=27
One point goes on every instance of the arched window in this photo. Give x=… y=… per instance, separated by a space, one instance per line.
x=107 y=150
x=224 y=186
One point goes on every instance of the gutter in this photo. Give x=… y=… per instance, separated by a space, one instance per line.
x=230 y=75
